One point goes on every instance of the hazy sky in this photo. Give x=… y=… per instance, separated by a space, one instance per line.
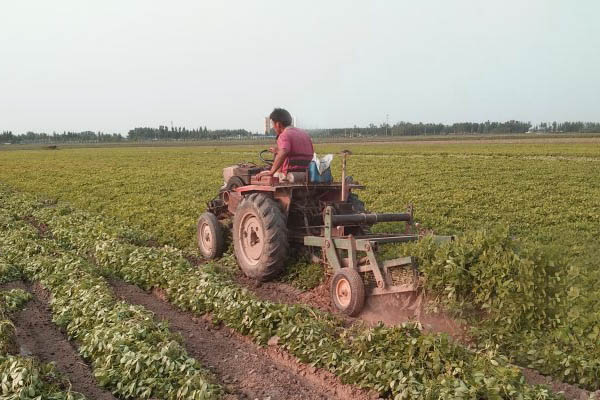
x=112 y=65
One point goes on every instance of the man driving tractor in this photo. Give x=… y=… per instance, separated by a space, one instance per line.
x=267 y=216
x=294 y=150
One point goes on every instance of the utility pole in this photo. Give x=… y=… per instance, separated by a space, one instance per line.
x=387 y=123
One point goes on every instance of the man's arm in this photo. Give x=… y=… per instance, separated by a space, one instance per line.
x=277 y=163
x=279 y=159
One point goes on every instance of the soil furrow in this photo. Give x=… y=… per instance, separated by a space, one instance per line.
x=245 y=369
x=38 y=336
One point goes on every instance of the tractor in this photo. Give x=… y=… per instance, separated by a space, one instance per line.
x=267 y=216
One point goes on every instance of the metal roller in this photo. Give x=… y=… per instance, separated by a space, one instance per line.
x=369 y=218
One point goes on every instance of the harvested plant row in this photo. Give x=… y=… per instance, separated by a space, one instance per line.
x=398 y=362
x=129 y=352
x=25 y=377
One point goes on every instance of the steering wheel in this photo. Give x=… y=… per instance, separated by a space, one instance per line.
x=269 y=162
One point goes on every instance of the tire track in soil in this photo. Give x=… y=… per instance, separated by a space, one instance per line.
x=38 y=336
x=246 y=370
x=281 y=292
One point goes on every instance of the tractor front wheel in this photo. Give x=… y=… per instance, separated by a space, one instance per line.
x=211 y=242
x=348 y=291
x=260 y=237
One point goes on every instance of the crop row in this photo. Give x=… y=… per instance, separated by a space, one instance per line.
x=527 y=294
x=454 y=187
x=513 y=296
x=130 y=353
x=537 y=293
x=25 y=377
x=399 y=362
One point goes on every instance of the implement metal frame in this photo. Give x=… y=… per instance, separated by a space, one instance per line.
x=331 y=246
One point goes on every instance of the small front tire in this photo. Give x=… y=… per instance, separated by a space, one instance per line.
x=210 y=238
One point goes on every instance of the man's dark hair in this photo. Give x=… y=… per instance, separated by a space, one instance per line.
x=282 y=116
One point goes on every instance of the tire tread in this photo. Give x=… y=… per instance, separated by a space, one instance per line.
x=275 y=226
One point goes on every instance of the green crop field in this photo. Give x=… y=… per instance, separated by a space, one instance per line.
x=523 y=272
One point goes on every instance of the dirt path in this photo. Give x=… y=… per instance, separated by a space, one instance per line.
x=245 y=369
x=38 y=336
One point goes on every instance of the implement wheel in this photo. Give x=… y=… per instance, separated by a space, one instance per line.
x=260 y=237
x=348 y=291
x=210 y=236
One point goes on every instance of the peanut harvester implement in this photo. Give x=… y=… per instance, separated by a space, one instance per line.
x=267 y=215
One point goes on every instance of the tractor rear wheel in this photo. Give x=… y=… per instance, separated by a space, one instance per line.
x=260 y=237
x=348 y=291
x=211 y=241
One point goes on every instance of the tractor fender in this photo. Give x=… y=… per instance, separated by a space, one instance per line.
x=282 y=196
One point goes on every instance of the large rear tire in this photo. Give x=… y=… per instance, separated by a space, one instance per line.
x=260 y=239
x=347 y=291
x=210 y=238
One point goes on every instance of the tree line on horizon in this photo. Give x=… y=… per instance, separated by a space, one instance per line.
x=164 y=133
x=181 y=133
x=8 y=137
x=459 y=128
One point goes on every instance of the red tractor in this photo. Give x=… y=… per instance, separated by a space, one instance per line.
x=270 y=215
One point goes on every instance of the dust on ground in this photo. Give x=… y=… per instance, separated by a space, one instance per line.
x=399 y=308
